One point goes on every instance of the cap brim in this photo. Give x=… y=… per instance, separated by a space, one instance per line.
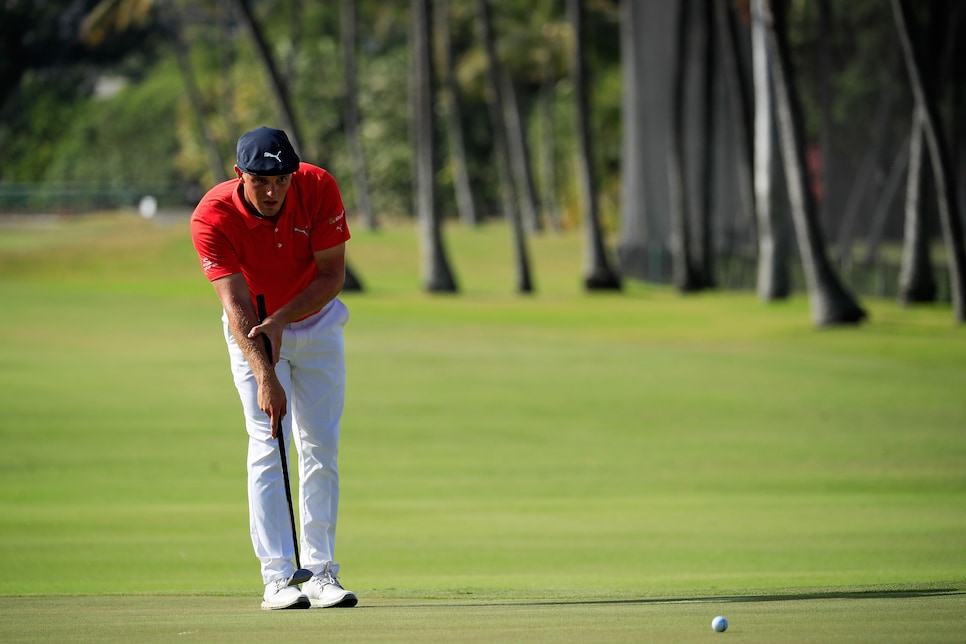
x=273 y=172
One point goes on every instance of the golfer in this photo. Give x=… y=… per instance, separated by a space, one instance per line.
x=279 y=230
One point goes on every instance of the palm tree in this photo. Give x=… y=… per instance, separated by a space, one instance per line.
x=519 y=153
x=686 y=277
x=773 y=282
x=735 y=84
x=598 y=274
x=865 y=178
x=454 y=119
x=545 y=55
x=705 y=43
x=916 y=280
x=496 y=102
x=350 y=114
x=829 y=173
x=831 y=303
x=936 y=144
x=898 y=168
x=437 y=276
x=635 y=143
x=280 y=88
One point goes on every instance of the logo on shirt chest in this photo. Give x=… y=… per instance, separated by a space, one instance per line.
x=299 y=230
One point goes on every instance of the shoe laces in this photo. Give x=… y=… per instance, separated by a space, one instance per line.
x=325 y=577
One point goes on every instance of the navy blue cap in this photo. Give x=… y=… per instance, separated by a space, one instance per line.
x=266 y=152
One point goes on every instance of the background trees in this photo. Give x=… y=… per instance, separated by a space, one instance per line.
x=130 y=113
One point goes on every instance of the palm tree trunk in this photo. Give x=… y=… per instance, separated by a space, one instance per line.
x=831 y=303
x=352 y=281
x=520 y=154
x=597 y=271
x=437 y=276
x=827 y=174
x=632 y=249
x=279 y=86
x=939 y=156
x=741 y=118
x=773 y=282
x=350 y=114
x=704 y=242
x=955 y=68
x=898 y=168
x=465 y=204
x=503 y=161
x=864 y=182
x=685 y=275
x=296 y=21
x=548 y=158
x=916 y=281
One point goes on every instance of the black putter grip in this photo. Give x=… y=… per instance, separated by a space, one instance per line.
x=262 y=314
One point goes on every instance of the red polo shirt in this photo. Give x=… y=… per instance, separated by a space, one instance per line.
x=276 y=257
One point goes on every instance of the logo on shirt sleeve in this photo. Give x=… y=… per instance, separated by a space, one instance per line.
x=207 y=264
x=337 y=220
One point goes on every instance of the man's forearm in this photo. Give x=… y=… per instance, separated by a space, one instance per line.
x=320 y=291
x=236 y=301
x=240 y=322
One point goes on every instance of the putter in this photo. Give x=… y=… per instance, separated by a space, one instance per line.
x=301 y=575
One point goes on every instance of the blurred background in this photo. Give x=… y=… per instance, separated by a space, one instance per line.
x=704 y=143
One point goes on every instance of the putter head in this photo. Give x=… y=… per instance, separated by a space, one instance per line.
x=300 y=577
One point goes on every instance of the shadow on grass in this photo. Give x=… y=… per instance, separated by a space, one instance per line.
x=716 y=599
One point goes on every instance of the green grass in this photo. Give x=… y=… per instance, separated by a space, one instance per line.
x=553 y=467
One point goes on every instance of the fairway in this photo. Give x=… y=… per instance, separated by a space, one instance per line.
x=553 y=467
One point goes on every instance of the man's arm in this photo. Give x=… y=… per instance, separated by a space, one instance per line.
x=236 y=299
x=320 y=291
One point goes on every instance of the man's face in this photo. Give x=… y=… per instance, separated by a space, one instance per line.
x=265 y=194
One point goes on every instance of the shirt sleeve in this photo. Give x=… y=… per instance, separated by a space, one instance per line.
x=218 y=257
x=330 y=228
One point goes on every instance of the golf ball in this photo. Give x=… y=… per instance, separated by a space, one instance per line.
x=719 y=624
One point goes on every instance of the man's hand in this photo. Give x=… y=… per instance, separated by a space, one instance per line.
x=272 y=401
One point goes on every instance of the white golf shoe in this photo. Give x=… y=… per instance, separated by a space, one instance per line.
x=325 y=591
x=279 y=595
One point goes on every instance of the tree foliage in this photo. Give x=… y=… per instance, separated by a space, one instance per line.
x=113 y=110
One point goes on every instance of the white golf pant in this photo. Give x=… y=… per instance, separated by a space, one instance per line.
x=312 y=371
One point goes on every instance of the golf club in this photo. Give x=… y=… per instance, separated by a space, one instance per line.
x=301 y=574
